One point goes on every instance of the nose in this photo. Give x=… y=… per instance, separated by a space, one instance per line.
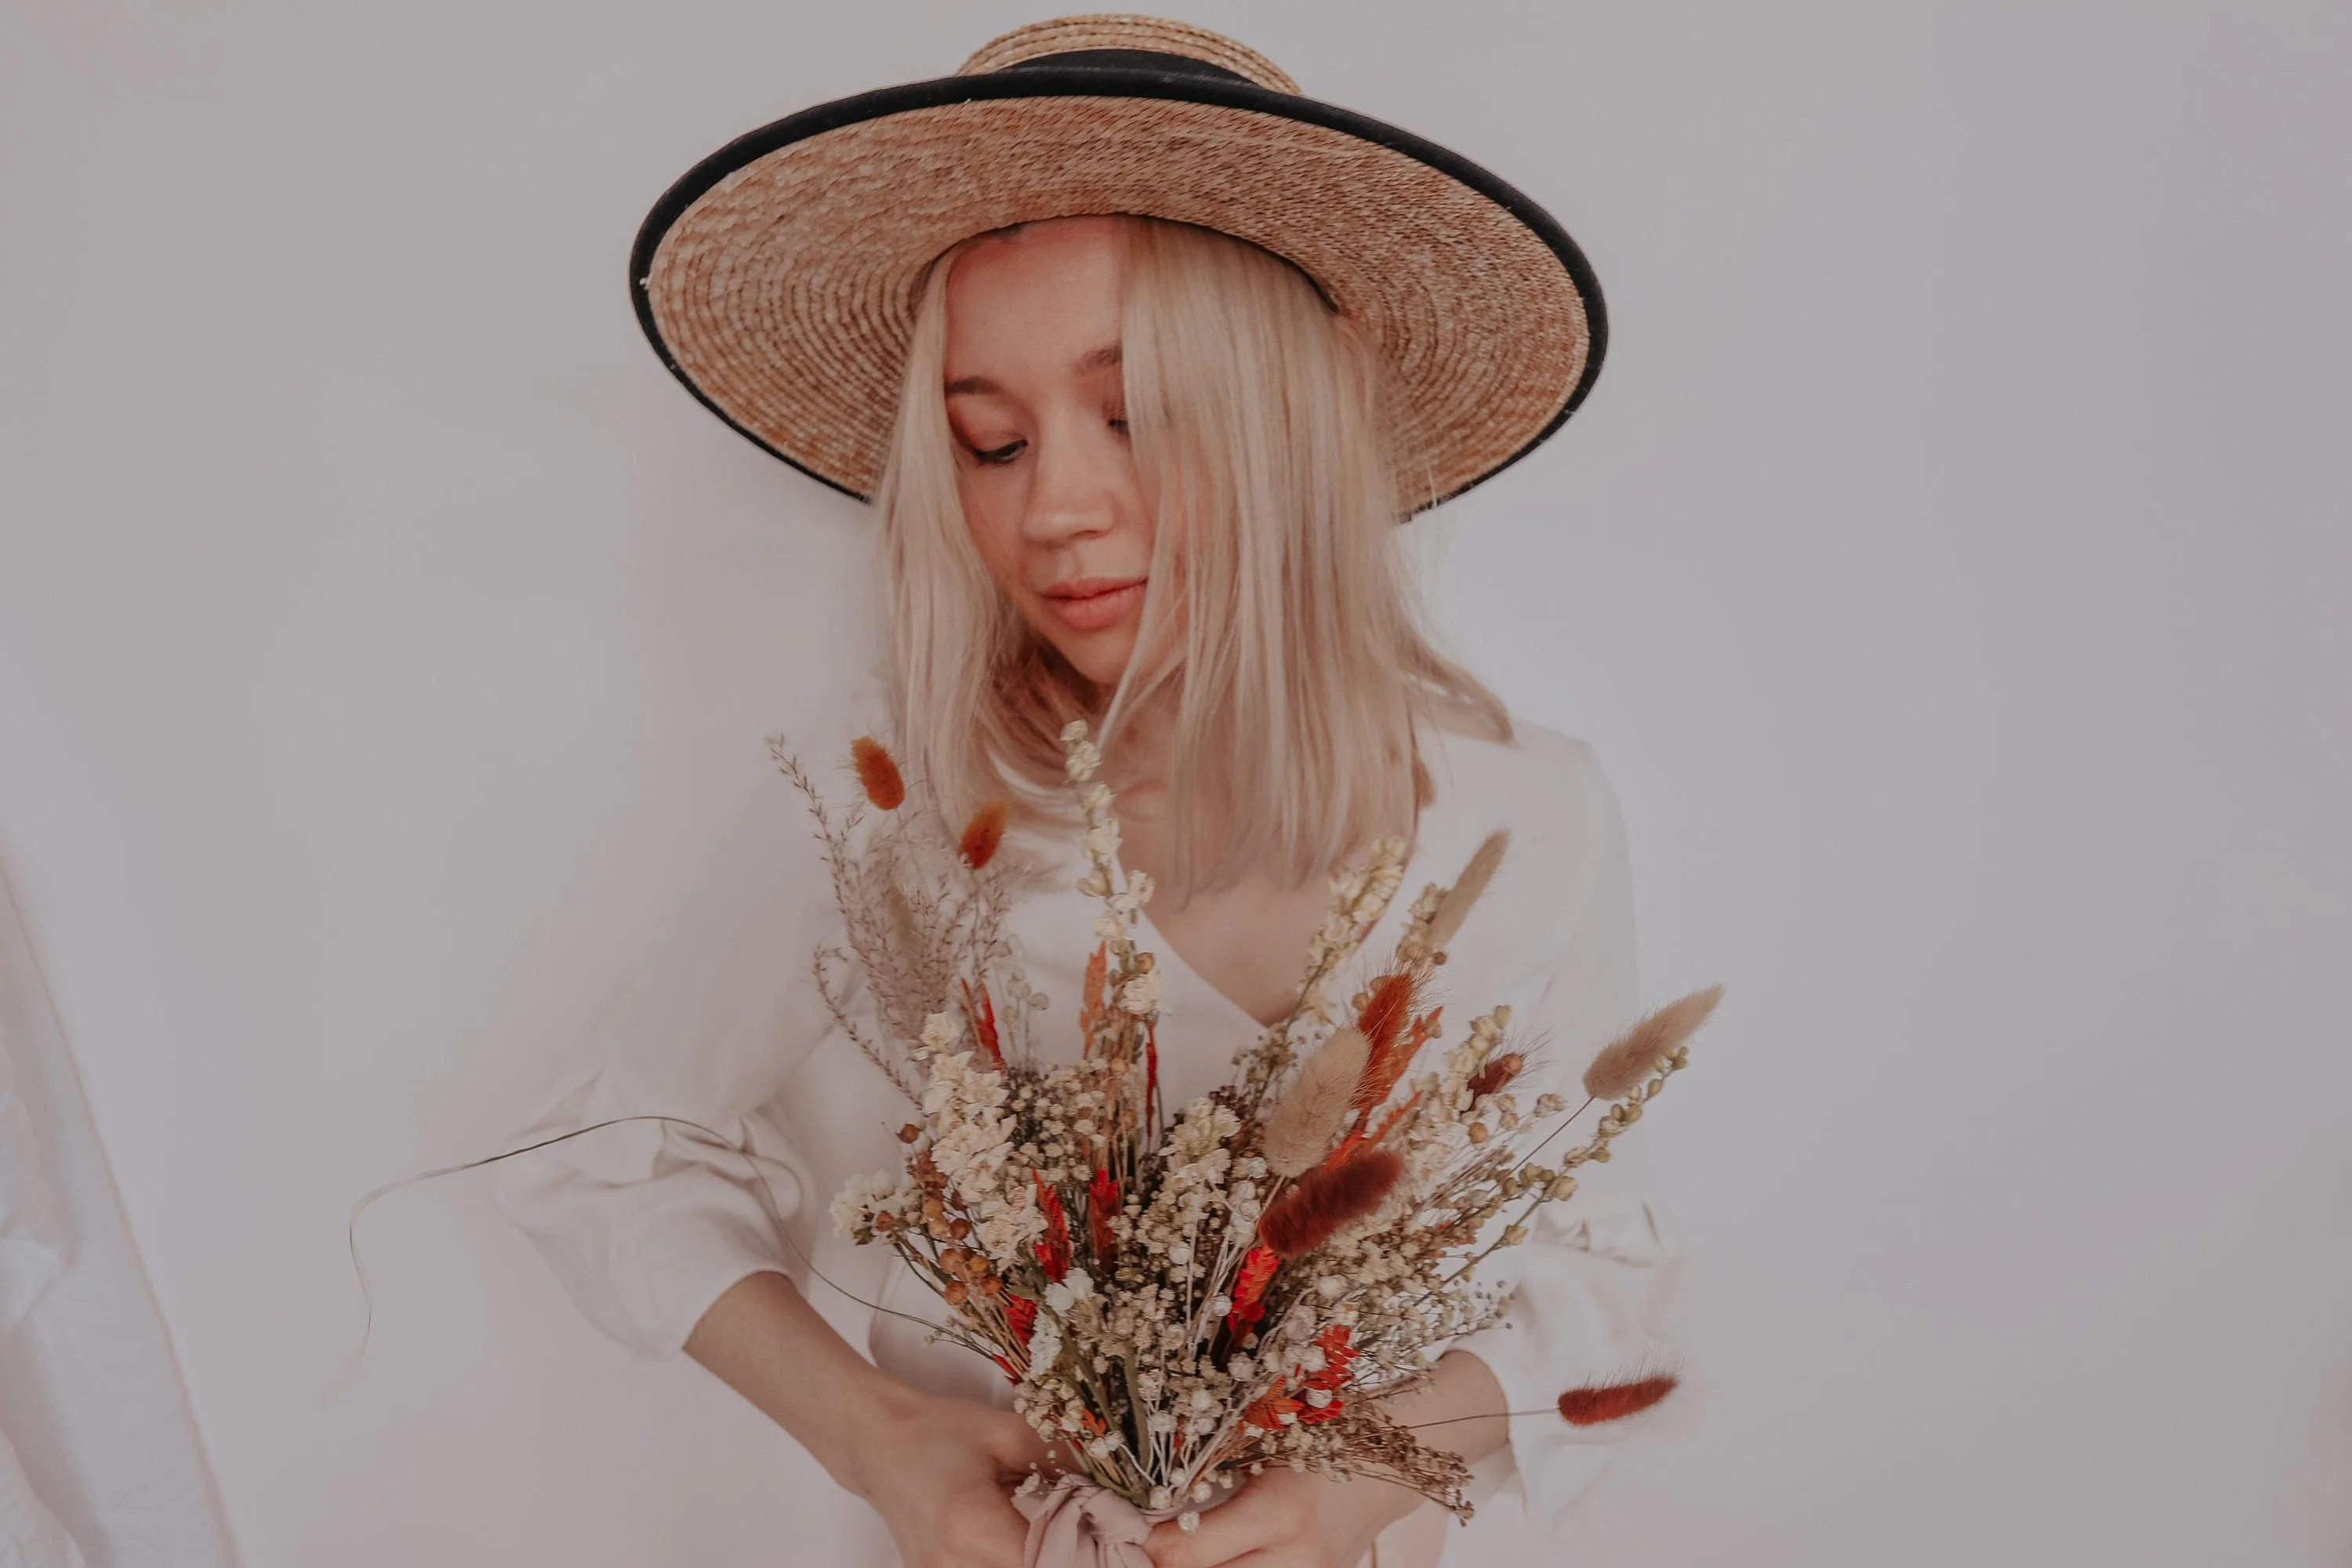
x=1074 y=495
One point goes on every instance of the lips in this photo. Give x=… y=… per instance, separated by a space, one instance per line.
x=1092 y=604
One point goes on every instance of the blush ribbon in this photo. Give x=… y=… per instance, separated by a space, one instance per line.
x=1077 y=1524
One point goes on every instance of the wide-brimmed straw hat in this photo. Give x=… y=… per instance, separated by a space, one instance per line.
x=779 y=278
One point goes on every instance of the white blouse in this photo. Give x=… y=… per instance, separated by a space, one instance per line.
x=646 y=1226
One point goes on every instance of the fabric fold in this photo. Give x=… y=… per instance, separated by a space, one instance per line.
x=1075 y=1524
x=100 y=1460
x=31 y=1246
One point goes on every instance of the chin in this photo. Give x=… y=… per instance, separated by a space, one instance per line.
x=1103 y=658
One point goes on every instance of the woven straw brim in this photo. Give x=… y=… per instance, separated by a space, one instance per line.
x=779 y=279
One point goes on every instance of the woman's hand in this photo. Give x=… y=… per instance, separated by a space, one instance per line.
x=941 y=1471
x=1287 y=1519
x=937 y=1470
x=1294 y=1519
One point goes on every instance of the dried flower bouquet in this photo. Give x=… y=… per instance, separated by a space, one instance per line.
x=1185 y=1296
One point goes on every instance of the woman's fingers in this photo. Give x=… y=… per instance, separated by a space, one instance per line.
x=981 y=1529
x=1013 y=1444
x=1259 y=1517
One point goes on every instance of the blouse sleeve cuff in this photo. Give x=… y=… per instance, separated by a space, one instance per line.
x=1588 y=1312
x=644 y=1258
x=692 y=1261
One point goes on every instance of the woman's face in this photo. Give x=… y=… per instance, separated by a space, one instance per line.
x=1038 y=411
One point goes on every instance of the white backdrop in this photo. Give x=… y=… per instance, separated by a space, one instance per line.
x=1950 y=566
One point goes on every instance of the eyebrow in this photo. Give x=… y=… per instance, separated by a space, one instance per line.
x=1087 y=364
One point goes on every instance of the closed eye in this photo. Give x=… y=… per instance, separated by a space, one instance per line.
x=1004 y=454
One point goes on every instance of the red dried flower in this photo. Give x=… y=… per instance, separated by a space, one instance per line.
x=1053 y=1252
x=1102 y=1202
x=1267 y=1413
x=1150 y=1067
x=1496 y=1073
x=982 y=1014
x=878 y=772
x=1019 y=1316
x=1249 y=1287
x=1337 y=1353
x=1090 y=998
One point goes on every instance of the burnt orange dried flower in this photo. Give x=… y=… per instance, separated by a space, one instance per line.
x=1385 y=1011
x=982 y=1011
x=1327 y=1197
x=1102 y=1202
x=1496 y=1073
x=984 y=833
x=1615 y=1401
x=878 y=772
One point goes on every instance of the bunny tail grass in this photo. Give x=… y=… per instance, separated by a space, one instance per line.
x=1460 y=897
x=1629 y=1058
x=1302 y=1127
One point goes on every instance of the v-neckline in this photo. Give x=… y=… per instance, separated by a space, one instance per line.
x=1155 y=942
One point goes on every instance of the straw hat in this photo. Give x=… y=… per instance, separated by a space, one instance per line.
x=779 y=278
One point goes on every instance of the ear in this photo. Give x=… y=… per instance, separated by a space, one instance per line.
x=1594 y=1404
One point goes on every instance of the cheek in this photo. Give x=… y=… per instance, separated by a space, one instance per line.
x=994 y=527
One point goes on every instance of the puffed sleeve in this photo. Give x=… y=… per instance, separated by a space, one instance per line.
x=1593 y=1288
x=647 y=1223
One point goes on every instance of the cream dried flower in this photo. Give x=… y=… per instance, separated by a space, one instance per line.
x=1141 y=994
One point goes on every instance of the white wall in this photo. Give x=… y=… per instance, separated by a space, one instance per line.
x=1950 y=566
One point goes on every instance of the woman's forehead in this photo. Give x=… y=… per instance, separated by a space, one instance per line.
x=1047 y=295
x=1049 y=249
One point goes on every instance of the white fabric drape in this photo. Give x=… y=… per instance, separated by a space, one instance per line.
x=99 y=1462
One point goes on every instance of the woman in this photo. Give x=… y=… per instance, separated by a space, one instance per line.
x=1145 y=470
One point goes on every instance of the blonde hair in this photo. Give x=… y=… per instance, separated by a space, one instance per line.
x=1280 y=635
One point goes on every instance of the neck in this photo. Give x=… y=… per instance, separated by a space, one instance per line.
x=1145 y=745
